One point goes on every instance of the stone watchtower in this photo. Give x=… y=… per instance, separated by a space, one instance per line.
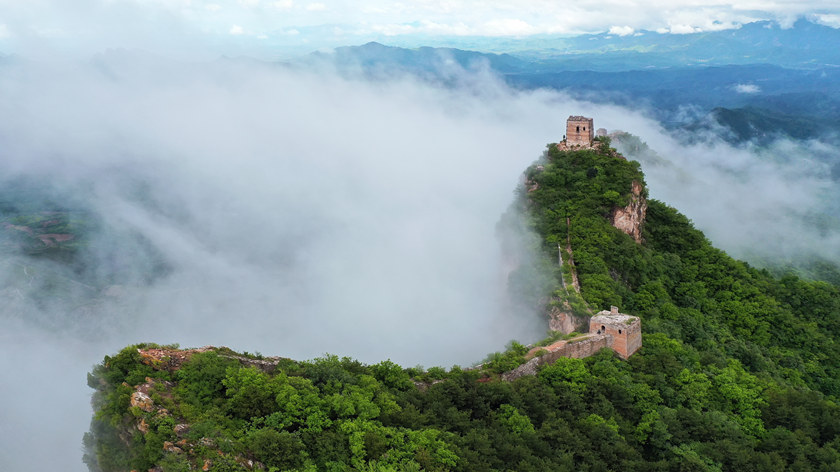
x=579 y=131
x=624 y=332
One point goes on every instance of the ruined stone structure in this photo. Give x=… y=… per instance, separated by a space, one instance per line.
x=624 y=332
x=577 y=348
x=579 y=131
x=617 y=331
x=601 y=132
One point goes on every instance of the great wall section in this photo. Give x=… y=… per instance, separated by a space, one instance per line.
x=607 y=329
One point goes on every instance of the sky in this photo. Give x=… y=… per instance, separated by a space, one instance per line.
x=279 y=28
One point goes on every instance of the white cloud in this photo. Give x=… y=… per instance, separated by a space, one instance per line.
x=621 y=30
x=160 y=24
x=283 y=4
x=683 y=29
x=826 y=19
x=394 y=29
x=454 y=29
x=236 y=30
x=508 y=27
x=747 y=88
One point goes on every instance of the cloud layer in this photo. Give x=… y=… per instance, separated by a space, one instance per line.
x=272 y=27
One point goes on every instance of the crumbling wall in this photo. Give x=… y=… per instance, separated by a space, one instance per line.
x=577 y=349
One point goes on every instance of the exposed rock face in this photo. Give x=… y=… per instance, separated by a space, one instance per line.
x=631 y=218
x=563 y=320
x=171 y=359
x=142 y=401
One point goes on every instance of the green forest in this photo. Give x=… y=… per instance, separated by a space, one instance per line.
x=739 y=370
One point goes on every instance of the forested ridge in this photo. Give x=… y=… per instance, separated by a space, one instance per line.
x=739 y=370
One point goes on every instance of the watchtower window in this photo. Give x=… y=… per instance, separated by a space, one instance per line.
x=578 y=129
x=619 y=331
x=584 y=128
x=603 y=329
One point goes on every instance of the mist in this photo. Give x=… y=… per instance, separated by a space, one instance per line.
x=772 y=205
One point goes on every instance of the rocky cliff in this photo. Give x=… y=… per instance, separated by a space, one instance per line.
x=631 y=218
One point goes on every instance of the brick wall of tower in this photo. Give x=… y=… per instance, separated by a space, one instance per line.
x=579 y=131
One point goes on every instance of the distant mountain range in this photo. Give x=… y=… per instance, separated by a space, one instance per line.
x=761 y=80
x=804 y=45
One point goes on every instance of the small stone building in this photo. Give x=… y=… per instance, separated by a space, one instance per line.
x=579 y=131
x=624 y=332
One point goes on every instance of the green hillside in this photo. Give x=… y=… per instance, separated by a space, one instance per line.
x=739 y=370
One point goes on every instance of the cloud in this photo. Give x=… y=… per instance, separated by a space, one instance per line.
x=236 y=30
x=394 y=30
x=186 y=28
x=508 y=27
x=621 y=30
x=769 y=205
x=747 y=88
x=832 y=20
x=283 y=4
x=683 y=29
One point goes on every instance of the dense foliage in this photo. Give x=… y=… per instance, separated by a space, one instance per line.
x=739 y=371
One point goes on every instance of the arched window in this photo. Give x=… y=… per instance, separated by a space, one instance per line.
x=603 y=329
x=619 y=331
x=578 y=129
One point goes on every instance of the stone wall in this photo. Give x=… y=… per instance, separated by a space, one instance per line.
x=632 y=341
x=583 y=348
x=578 y=349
